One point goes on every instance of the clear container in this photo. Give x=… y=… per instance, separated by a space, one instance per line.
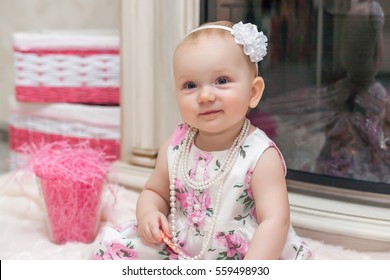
x=73 y=209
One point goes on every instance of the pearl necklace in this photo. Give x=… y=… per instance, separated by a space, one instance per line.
x=181 y=162
x=225 y=166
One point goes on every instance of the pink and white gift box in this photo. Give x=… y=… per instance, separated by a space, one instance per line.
x=32 y=123
x=67 y=66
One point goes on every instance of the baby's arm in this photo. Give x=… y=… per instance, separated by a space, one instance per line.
x=153 y=202
x=272 y=207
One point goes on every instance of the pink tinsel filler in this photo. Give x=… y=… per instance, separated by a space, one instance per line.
x=72 y=179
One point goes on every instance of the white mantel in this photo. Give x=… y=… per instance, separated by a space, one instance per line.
x=149 y=32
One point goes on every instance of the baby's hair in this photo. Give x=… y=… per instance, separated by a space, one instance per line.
x=193 y=37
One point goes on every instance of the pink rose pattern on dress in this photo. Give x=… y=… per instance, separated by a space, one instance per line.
x=194 y=204
x=178 y=135
x=117 y=251
x=168 y=254
x=120 y=228
x=248 y=177
x=251 y=204
x=201 y=158
x=246 y=199
x=236 y=245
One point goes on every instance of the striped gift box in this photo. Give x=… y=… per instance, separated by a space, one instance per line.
x=64 y=66
x=31 y=123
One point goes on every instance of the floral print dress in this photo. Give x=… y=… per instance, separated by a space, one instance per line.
x=236 y=218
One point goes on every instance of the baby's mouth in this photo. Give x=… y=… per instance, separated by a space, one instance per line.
x=210 y=112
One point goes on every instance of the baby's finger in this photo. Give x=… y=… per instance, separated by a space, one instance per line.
x=148 y=238
x=147 y=234
x=165 y=228
x=156 y=234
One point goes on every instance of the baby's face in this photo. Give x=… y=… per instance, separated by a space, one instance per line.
x=213 y=79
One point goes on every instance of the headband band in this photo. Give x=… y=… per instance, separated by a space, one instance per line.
x=254 y=43
x=210 y=26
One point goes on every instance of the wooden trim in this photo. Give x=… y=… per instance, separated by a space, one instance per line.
x=130 y=176
x=339 y=211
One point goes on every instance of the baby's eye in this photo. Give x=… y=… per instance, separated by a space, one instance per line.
x=190 y=85
x=222 y=81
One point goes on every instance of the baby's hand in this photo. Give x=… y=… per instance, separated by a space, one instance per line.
x=149 y=228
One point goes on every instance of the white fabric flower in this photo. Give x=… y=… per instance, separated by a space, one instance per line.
x=254 y=42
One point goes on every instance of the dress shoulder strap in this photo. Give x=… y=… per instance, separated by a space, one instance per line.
x=178 y=134
x=263 y=142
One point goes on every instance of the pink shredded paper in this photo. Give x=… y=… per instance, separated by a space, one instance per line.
x=72 y=179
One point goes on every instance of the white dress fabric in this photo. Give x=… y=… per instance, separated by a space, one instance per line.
x=236 y=217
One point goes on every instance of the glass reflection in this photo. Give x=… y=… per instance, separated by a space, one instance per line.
x=327 y=103
x=346 y=121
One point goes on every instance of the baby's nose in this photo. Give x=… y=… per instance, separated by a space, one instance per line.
x=206 y=95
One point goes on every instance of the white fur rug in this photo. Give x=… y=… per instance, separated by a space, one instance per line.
x=24 y=233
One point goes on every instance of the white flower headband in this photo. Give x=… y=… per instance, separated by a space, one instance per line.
x=254 y=43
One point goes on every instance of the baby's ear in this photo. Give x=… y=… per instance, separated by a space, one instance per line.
x=256 y=91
